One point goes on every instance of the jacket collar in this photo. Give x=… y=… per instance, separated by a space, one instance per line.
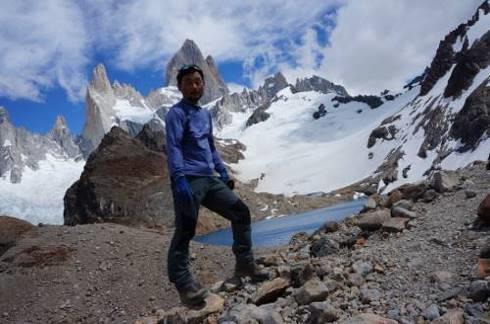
x=188 y=104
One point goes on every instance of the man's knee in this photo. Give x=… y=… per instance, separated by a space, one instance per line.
x=242 y=213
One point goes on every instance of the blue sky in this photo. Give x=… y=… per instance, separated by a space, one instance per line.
x=48 y=48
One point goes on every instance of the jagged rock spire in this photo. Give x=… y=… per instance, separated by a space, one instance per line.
x=60 y=124
x=4 y=115
x=190 y=53
x=99 y=101
x=61 y=134
x=100 y=82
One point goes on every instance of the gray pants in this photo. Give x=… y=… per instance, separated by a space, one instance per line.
x=212 y=193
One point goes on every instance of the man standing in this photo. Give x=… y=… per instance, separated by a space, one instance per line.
x=192 y=161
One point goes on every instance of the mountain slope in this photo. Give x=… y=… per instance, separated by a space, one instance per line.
x=442 y=123
x=292 y=152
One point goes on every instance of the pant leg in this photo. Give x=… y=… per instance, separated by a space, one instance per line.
x=185 y=229
x=224 y=202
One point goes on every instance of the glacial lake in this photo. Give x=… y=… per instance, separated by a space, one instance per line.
x=279 y=230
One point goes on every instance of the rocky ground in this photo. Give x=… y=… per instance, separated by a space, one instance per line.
x=408 y=258
x=96 y=273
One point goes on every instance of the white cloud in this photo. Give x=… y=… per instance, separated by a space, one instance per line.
x=379 y=44
x=375 y=44
x=148 y=31
x=42 y=43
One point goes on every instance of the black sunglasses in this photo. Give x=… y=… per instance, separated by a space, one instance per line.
x=187 y=67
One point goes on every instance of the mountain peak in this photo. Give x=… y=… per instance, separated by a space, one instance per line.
x=317 y=83
x=273 y=85
x=60 y=123
x=100 y=82
x=4 y=115
x=189 y=53
x=190 y=45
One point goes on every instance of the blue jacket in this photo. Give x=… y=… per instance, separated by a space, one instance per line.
x=190 y=143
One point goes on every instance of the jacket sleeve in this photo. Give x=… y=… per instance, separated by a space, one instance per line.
x=219 y=166
x=174 y=128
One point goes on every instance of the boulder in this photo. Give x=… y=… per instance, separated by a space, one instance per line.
x=269 y=291
x=323 y=247
x=395 y=224
x=373 y=220
x=479 y=290
x=369 y=295
x=414 y=191
x=429 y=196
x=398 y=211
x=313 y=290
x=444 y=181
x=322 y=312
x=406 y=204
x=123 y=182
x=11 y=231
x=251 y=314
x=484 y=210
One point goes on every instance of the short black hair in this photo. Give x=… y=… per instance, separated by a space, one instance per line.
x=188 y=69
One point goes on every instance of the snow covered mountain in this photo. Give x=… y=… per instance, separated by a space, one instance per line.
x=114 y=104
x=305 y=137
x=35 y=170
x=311 y=141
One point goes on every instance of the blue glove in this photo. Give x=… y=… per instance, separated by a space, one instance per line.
x=183 y=191
x=223 y=176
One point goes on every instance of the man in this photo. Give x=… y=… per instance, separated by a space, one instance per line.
x=192 y=161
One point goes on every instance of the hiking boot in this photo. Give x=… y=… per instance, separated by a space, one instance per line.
x=193 y=295
x=251 y=270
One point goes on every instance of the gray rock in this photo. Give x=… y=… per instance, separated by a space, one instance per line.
x=470 y=194
x=373 y=220
x=395 y=224
x=474 y=309
x=431 y=312
x=363 y=267
x=251 y=314
x=406 y=204
x=324 y=246
x=444 y=181
x=479 y=290
x=269 y=291
x=370 y=204
x=370 y=295
x=450 y=293
x=313 y=290
x=301 y=273
x=322 y=312
x=429 y=195
x=442 y=276
x=355 y=279
x=399 y=211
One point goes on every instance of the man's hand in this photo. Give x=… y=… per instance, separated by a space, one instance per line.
x=223 y=176
x=183 y=191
